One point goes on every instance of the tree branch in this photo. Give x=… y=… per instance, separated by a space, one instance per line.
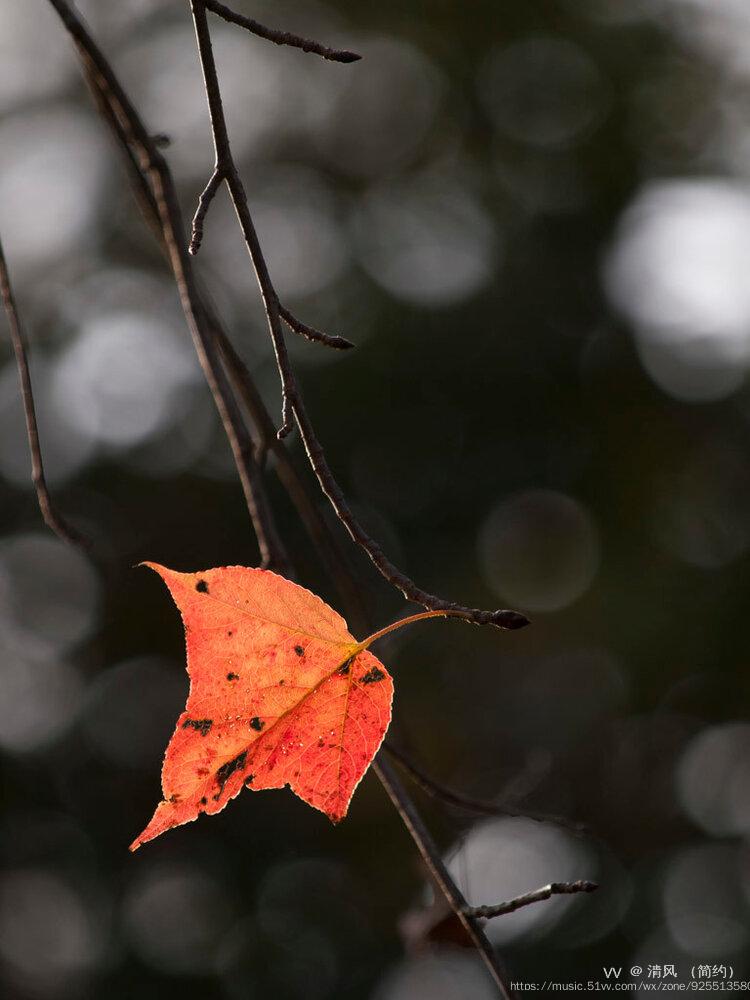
x=538 y=896
x=52 y=519
x=439 y=873
x=281 y=37
x=326 y=543
x=154 y=168
x=479 y=806
x=156 y=195
x=310 y=333
x=226 y=169
x=292 y=403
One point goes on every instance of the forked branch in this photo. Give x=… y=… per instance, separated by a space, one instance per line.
x=150 y=162
x=292 y=402
x=439 y=873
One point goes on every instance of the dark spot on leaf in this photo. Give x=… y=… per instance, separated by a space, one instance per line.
x=249 y=779
x=281 y=682
x=321 y=742
x=173 y=798
x=202 y=587
x=204 y=801
x=202 y=725
x=231 y=676
x=226 y=771
x=344 y=668
x=299 y=650
x=373 y=675
x=230 y=632
x=256 y=723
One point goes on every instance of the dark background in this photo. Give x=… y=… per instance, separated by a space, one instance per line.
x=533 y=218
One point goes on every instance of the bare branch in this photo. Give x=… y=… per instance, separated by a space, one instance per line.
x=538 y=896
x=500 y=619
x=292 y=403
x=325 y=541
x=479 y=806
x=281 y=37
x=319 y=530
x=428 y=849
x=52 y=519
x=152 y=165
x=310 y=333
x=156 y=194
x=226 y=168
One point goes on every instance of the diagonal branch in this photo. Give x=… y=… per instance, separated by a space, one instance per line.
x=500 y=619
x=292 y=403
x=280 y=37
x=154 y=169
x=310 y=333
x=439 y=873
x=318 y=528
x=480 y=807
x=52 y=519
x=538 y=896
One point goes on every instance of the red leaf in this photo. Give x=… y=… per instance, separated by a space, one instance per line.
x=280 y=694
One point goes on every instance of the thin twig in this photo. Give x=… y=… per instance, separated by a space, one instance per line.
x=504 y=619
x=281 y=37
x=204 y=203
x=52 y=519
x=319 y=530
x=538 y=896
x=292 y=403
x=310 y=333
x=439 y=873
x=479 y=806
x=225 y=167
x=153 y=166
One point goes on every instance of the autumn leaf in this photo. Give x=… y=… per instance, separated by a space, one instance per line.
x=280 y=694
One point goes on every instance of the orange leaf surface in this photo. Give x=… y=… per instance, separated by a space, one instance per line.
x=280 y=694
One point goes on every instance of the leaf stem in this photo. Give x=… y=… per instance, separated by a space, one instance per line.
x=442 y=613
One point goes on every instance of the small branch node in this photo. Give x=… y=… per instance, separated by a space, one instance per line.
x=204 y=203
x=287 y=425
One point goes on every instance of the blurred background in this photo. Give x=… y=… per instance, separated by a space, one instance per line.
x=533 y=218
